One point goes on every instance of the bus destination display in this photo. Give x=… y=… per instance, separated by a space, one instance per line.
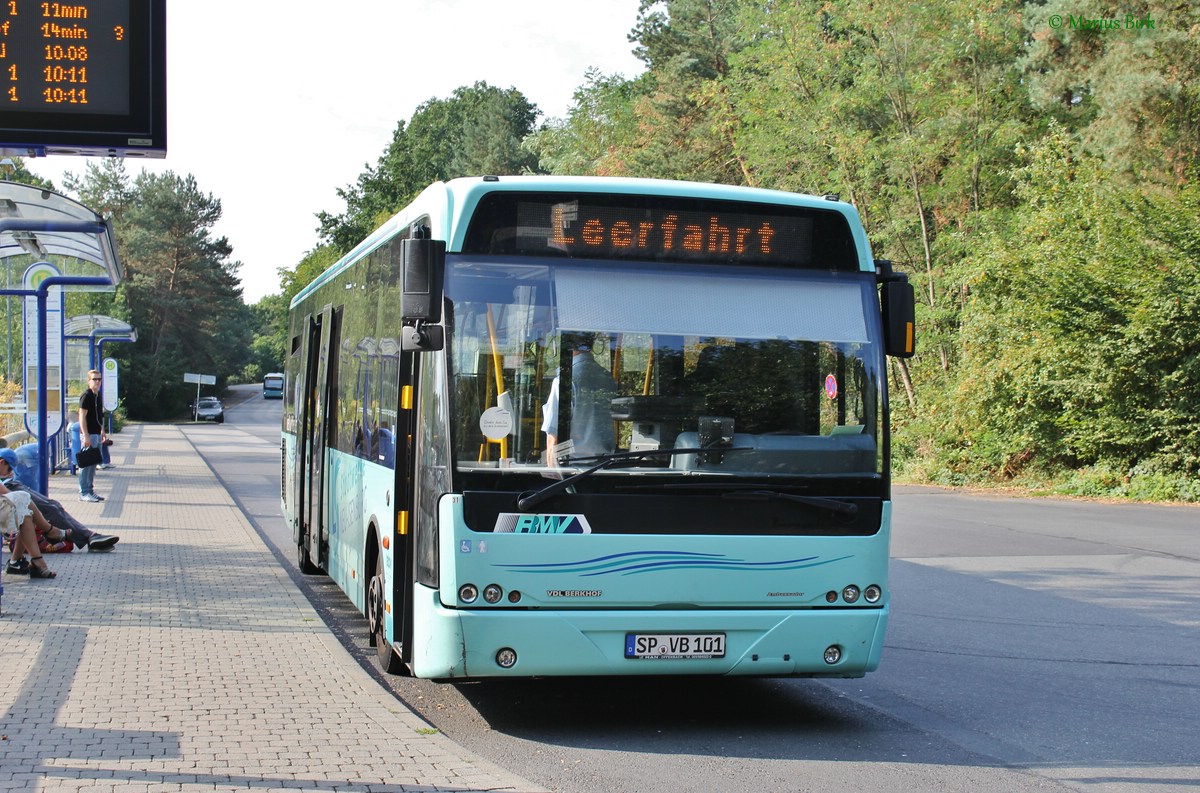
x=665 y=229
x=65 y=57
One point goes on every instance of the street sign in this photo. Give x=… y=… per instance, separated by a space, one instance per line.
x=199 y=380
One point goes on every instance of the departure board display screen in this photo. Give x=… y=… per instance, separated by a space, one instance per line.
x=87 y=76
x=661 y=228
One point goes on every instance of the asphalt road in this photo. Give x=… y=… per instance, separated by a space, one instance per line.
x=1035 y=644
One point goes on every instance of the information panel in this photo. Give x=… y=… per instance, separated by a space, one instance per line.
x=54 y=351
x=84 y=77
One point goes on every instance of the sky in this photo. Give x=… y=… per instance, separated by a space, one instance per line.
x=275 y=104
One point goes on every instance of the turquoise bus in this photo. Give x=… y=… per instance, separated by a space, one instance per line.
x=711 y=498
x=273 y=385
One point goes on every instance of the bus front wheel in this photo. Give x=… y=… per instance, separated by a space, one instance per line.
x=389 y=661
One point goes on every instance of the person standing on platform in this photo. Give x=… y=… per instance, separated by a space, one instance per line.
x=91 y=433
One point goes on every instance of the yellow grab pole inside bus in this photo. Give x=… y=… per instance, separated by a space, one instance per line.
x=496 y=366
x=649 y=369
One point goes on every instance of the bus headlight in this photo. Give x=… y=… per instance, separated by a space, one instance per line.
x=506 y=658
x=833 y=654
x=468 y=593
x=492 y=593
x=850 y=594
x=872 y=594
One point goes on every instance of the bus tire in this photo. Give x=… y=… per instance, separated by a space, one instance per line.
x=389 y=661
x=304 y=560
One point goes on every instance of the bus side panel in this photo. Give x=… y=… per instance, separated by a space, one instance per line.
x=576 y=607
x=287 y=488
x=359 y=495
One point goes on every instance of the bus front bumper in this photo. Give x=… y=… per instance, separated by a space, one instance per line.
x=459 y=643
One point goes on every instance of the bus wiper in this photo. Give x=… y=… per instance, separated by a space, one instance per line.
x=832 y=504
x=530 y=500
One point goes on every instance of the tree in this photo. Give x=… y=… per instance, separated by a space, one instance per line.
x=104 y=187
x=599 y=132
x=686 y=120
x=268 y=344
x=675 y=121
x=1131 y=93
x=315 y=262
x=479 y=130
x=182 y=294
x=1079 y=344
x=908 y=112
x=15 y=171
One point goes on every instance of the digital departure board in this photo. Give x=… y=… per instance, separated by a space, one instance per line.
x=83 y=77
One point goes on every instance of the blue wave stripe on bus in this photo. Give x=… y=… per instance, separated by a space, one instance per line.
x=559 y=566
x=653 y=561
x=791 y=564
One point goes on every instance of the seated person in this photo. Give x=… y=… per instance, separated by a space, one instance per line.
x=53 y=522
x=17 y=511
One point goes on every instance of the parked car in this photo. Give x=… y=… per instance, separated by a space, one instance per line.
x=210 y=409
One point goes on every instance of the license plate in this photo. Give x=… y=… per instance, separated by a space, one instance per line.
x=674 y=645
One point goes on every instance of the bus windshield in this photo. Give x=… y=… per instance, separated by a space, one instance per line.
x=747 y=372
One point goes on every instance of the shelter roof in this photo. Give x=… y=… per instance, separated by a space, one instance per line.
x=86 y=324
x=45 y=224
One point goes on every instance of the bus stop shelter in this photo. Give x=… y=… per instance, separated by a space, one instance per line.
x=96 y=330
x=41 y=226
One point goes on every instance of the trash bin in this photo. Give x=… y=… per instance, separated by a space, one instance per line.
x=27 y=464
x=76 y=444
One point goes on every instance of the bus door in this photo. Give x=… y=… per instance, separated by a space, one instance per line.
x=316 y=419
x=406 y=484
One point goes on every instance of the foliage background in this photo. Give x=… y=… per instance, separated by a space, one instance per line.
x=1032 y=169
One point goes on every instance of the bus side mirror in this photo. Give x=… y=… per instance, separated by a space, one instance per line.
x=899 y=318
x=422 y=338
x=423 y=266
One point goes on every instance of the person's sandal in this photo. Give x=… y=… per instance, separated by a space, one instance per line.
x=38 y=572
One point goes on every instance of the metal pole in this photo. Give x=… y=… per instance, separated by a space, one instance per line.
x=43 y=445
x=8 y=312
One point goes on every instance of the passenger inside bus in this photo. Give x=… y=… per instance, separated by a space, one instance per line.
x=592 y=389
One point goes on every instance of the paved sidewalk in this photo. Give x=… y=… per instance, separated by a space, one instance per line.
x=187 y=660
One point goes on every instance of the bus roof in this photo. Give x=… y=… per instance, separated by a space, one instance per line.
x=448 y=204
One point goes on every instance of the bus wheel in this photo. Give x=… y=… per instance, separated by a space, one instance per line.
x=377 y=623
x=304 y=560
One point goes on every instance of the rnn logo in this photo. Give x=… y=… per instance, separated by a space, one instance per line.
x=516 y=523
